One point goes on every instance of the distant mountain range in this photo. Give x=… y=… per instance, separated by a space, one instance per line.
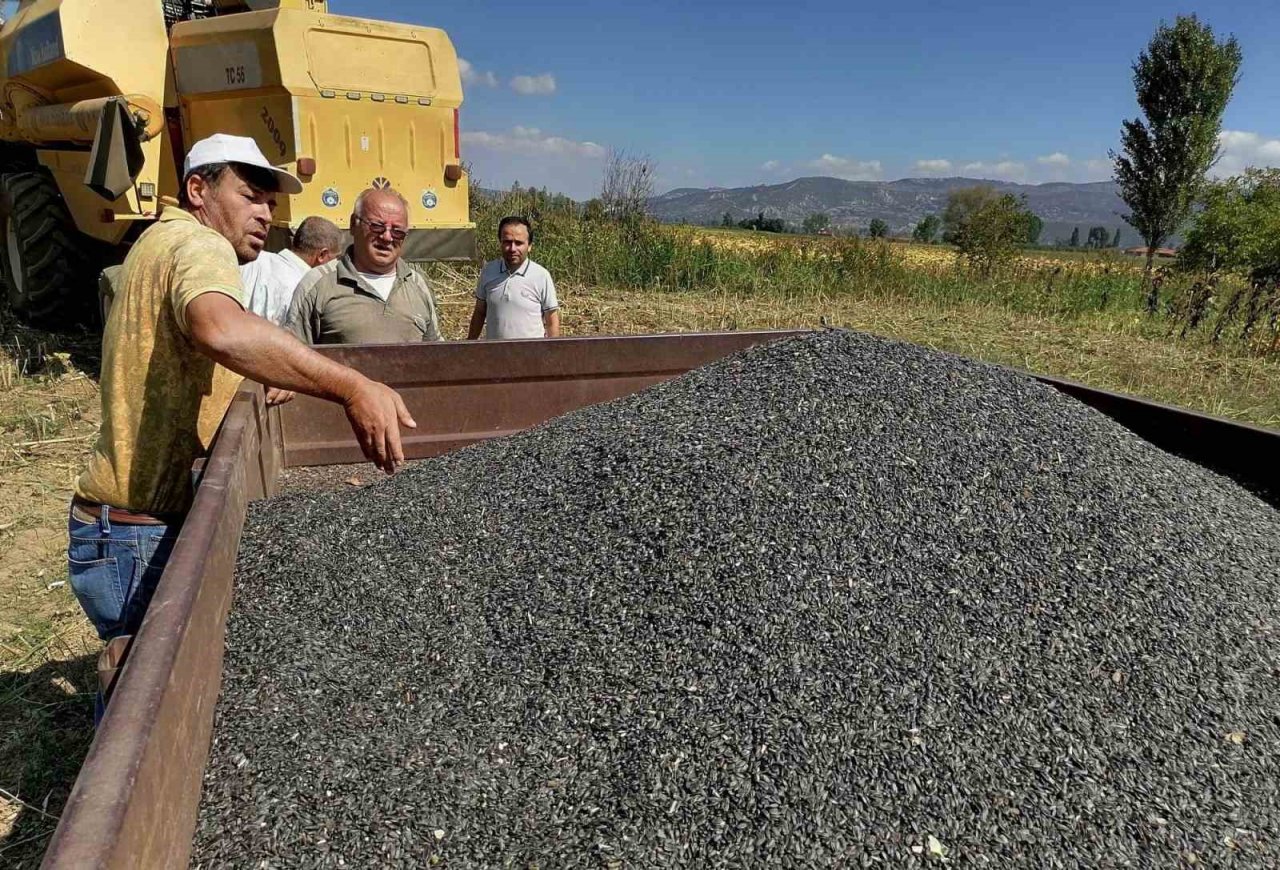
x=901 y=204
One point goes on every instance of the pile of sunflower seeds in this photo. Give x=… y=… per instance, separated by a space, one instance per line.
x=838 y=601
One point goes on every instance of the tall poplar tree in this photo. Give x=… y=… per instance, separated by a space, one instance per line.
x=1183 y=83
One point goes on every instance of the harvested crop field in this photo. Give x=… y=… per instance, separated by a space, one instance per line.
x=836 y=601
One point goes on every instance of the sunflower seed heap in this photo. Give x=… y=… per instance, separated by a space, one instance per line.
x=838 y=601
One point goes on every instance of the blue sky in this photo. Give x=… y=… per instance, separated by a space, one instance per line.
x=730 y=94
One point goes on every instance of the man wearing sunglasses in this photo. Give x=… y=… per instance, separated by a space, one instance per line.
x=369 y=295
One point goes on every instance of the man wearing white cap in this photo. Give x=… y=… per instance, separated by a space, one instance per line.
x=176 y=345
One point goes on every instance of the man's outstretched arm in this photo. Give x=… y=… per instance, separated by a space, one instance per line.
x=257 y=349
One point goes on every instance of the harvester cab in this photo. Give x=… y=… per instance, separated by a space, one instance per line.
x=99 y=100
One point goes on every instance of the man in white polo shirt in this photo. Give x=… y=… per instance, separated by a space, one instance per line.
x=515 y=297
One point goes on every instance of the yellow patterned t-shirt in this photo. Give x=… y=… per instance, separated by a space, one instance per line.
x=162 y=400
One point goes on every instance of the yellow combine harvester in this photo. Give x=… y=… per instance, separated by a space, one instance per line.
x=101 y=98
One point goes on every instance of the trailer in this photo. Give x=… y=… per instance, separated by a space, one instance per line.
x=136 y=799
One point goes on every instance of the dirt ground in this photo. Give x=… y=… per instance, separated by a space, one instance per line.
x=49 y=415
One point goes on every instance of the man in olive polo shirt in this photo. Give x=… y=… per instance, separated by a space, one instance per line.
x=176 y=346
x=369 y=295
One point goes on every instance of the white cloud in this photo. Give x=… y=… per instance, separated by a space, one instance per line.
x=531 y=140
x=533 y=156
x=933 y=167
x=1005 y=170
x=771 y=166
x=850 y=170
x=1056 y=166
x=531 y=85
x=1098 y=169
x=472 y=76
x=1242 y=149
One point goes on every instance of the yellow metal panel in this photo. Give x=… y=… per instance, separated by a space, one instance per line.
x=357 y=144
x=220 y=67
x=372 y=103
x=87 y=42
x=283 y=37
x=369 y=101
x=265 y=117
x=341 y=61
x=68 y=51
x=86 y=207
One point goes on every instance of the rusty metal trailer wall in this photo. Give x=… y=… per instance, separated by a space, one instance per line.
x=1249 y=454
x=461 y=393
x=134 y=804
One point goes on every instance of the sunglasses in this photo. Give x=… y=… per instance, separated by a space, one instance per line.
x=378 y=228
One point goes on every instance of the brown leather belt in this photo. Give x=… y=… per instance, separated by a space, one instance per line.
x=92 y=511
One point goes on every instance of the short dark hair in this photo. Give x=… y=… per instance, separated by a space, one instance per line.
x=212 y=173
x=315 y=233
x=514 y=220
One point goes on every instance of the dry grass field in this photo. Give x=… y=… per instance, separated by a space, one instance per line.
x=49 y=412
x=915 y=255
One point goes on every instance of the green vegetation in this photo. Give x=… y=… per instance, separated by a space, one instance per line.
x=1183 y=82
x=764 y=224
x=988 y=227
x=1236 y=235
x=1099 y=237
x=1238 y=229
x=816 y=223
x=927 y=230
x=587 y=250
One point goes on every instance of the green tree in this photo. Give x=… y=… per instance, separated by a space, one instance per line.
x=1183 y=83
x=1115 y=240
x=816 y=223
x=962 y=204
x=1035 y=226
x=927 y=230
x=1237 y=229
x=764 y=224
x=727 y=220
x=1075 y=237
x=878 y=229
x=1098 y=237
x=992 y=227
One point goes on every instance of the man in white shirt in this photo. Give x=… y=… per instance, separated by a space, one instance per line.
x=270 y=281
x=515 y=297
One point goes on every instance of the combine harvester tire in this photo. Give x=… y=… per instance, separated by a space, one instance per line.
x=47 y=267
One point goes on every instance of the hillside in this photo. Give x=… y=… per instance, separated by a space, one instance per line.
x=901 y=204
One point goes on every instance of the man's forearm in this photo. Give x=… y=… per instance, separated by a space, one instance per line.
x=253 y=347
x=477 y=322
x=551 y=323
x=248 y=345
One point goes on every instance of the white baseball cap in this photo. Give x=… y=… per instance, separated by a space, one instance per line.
x=224 y=148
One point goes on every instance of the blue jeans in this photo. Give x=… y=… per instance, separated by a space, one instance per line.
x=113 y=569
